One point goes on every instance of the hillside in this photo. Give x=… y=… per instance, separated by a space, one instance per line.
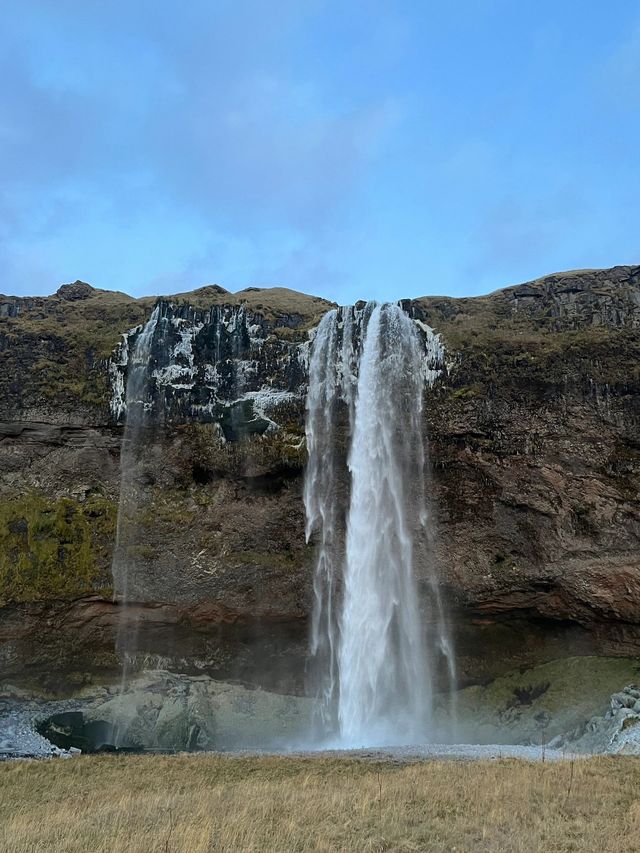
x=533 y=429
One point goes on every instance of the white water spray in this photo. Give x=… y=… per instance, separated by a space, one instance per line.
x=383 y=668
x=367 y=632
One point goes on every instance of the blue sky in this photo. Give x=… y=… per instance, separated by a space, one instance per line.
x=354 y=150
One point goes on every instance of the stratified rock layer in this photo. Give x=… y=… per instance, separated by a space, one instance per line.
x=533 y=426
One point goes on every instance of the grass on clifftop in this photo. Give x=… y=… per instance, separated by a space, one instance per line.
x=272 y=302
x=198 y=803
x=54 y=349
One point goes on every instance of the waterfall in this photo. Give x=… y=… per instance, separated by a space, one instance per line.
x=137 y=407
x=321 y=509
x=369 y=513
x=383 y=668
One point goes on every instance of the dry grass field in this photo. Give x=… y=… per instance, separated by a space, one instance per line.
x=197 y=803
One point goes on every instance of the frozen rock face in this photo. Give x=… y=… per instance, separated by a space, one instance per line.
x=225 y=365
x=219 y=365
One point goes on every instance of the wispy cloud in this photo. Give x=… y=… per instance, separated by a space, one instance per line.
x=137 y=107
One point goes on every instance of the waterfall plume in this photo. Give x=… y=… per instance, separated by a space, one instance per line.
x=367 y=509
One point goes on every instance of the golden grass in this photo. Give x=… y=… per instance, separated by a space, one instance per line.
x=198 y=803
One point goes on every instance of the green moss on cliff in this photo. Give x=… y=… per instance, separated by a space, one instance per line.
x=277 y=560
x=53 y=547
x=54 y=350
x=207 y=452
x=165 y=507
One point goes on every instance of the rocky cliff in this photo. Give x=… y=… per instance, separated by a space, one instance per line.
x=532 y=418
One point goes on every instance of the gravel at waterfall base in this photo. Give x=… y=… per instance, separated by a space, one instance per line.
x=441 y=752
x=18 y=735
x=20 y=739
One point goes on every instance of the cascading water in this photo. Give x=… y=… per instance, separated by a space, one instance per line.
x=137 y=407
x=321 y=510
x=383 y=668
x=375 y=665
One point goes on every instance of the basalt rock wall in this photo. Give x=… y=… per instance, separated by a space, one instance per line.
x=533 y=423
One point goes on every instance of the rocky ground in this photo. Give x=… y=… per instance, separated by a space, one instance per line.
x=18 y=735
x=617 y=731
x=562 y=707
x=19 y=739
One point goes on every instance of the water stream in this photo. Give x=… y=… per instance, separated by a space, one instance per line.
x=137 y=408
x=377 y=639
x=374 y=647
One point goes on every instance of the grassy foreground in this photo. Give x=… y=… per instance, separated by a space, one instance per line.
x=192 y=803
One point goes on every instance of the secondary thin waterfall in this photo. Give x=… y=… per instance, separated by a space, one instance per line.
x=136 y=416
x=367 y=634
x=330 y=408
x=321 y=510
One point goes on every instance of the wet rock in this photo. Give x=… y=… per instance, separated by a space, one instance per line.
x=617 y=731
x=622 y=700
x=202 y=714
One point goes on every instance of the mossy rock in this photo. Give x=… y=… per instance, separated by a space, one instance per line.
x=211 y=456
x=288 y=561
x=535 y=705
x=53 y=548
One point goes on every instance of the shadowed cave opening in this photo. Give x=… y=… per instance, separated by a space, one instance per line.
x=70 y=730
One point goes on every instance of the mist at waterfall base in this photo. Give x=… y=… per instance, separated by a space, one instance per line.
x=372 y=666
x=378 y=646
x=137 y=408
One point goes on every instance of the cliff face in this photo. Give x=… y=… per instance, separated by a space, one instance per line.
x=533 y=426
x=535 y=445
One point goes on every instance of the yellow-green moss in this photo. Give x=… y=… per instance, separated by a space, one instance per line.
x=53 y=547
x=555 y=697
x=283 y=448
x=466 y=392
x=164 y=507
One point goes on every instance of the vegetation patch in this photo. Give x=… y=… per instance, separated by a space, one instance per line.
x=200 y=803
x=55 y=350
x=53 y=547
x=211 y=456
